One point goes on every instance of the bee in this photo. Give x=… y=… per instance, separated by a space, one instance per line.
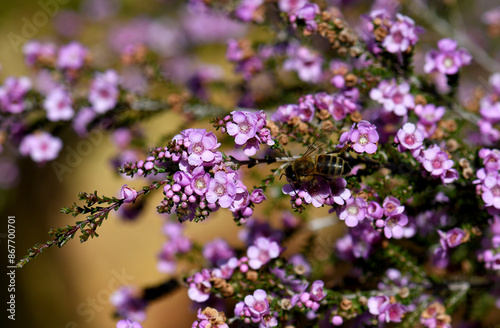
x=314 y=163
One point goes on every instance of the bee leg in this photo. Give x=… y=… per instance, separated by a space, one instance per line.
x=341 y=150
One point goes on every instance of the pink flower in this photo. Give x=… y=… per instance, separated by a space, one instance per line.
x=199 y=286
x=12 y=94
x=395 y=98
x=257 y=303
x=409 y=137
x=285 y=113
x=222 y=189
x=103 y=94
x=377 y=304
x=429 y=113
x=202 y=145
x=242 y=127
x=58 y=105
x=392 y=206
x=353 y=211
x=41 y=146
x=71 y=56
x=291 y=5
x=394 y=226
x=436 y=161
x=306 y=63
x=491 y=191
x=261 y=252
x=365 y=138
x=402 y=34
x=128 y=194
x=127 y=323
x=452 y=238
x=448 y=59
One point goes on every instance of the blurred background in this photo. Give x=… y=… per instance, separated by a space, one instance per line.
x=70 y=287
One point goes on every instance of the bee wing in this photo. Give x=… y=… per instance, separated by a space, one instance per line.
x=320 y=143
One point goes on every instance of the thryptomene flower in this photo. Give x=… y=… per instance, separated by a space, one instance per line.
x=199 y=286
x=210 y=317
x=394 y=226
x=103 y=94
x=392 y=206
x=285 y=113
x=128 y=194
x=127 y=323
x=247 y=10
x=448 y=59
x=202 y=147
x=71 y=56
x=36 y=52
x=261 y=252
x=257 y=303
x=221 y=189
x=12 y=94
x=306 y=63
x=452 y=238
x=307 y=14
x=218 y=251
x=287 y=6
x=128 y=304
x=491 y=191
x=402 y=35
x=364 y=137
x=353 y=211
x=409 y=137
x=41 y=146
x=242 y=127
x=394 y=97
x=436 y=161
x=58 y=105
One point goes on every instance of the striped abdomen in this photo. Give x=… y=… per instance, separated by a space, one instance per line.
x=330 y=165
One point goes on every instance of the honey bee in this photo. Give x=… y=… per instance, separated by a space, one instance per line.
x=314 y=164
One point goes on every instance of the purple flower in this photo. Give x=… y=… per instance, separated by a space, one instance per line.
x=261 y=252
x=452 y=238
x=339 y=192
x=71 y=56
x=201 y=149
x=392 y=206
x=394 y=226
x=409 y=137
x=306 y=63
x=103 y=94
x=218 y=251
x=209 y=318
x=128 y=194
x=374 y=210
x=429 y=113
x=41 y=146
x=128 y=304
x=436 y=161
x=365 y=138
x=317 y=291
x=242 y=127
x=247 y=10
x=58 y=105
x=306 y=108
x=127 y=323
x=199 y=286
x=35 y=52
x=402 y=35
x=448 y=59
x=377 y=304
x=222 y=189
x=393 y=313
x=491 y=191
x=285 y=113
x=84 y=116
x=307 y=14
x=257 y=303
x=12 y=94
x=200 y=181
x=395 y=98
x=353 y=211
x=287 y=6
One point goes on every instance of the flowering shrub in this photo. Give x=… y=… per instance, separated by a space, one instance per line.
x=406 y=169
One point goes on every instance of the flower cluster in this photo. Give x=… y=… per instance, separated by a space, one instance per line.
x=434 y=160
x=256 y=309
x=12 y=94
x=128 y=304
x=395 y=35
x=337 y=105
x=385 y=309
x=490 y=112
x=210 y=317
x=247 y=62
x=249 y=130
x=176 y=245
x=491 y=243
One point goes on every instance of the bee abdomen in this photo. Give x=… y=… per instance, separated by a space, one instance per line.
x=331 y=165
